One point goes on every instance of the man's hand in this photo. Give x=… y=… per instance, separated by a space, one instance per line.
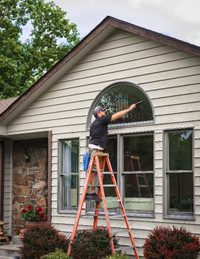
x=132 y=107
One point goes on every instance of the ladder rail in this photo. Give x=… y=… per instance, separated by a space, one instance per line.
x=101 y=193
x=81 y=204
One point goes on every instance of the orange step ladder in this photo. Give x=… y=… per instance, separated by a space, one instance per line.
x=144 y=183
x=100 y=169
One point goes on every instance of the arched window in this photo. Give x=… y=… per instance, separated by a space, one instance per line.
x=120 y=96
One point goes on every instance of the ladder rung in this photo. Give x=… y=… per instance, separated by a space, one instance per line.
x=143 y=186
x=91 y=211
x=109 y=185
x=104 y=185
x=95 y=170
x=106 y=172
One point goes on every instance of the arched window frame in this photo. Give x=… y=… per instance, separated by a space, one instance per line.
x=89 y=117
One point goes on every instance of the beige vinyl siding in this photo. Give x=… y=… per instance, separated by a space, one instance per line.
x=170 y=78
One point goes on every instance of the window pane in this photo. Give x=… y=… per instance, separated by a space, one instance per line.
x=180 y=150
x=181 y=192
x=138 y=153
x=111 y=149
x=121 y=97
x=70 y=190
x=138 y=187
x=70 y=156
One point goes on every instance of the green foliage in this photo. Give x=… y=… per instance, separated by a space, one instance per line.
x=40 y=239
x=58 y=254
x=117 y=256
x=174 y=243
x=92 y=244
x=22 y=63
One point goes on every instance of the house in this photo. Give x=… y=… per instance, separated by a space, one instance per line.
x=154 y=151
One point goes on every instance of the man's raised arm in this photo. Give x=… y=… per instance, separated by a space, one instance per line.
x=119 y=114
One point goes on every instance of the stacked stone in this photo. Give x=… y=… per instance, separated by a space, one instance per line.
x=29 y=178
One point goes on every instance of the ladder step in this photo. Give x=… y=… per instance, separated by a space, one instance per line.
x=99 y=154
x=109 y=185
x=110 y=214
x=104 y=185
x=95 y=170
x=143 y=186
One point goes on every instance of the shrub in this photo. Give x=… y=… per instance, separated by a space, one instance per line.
x=40 y=239
x=91 y=244
x=173 y=243
x=58 y=254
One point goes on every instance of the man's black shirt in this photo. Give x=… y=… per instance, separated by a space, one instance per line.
x=98 y=131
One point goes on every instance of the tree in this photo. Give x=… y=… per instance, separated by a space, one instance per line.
x=22 y=63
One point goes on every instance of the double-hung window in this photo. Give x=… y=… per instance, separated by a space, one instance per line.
x=179 y=172
x=69 y=176
x=138 y=172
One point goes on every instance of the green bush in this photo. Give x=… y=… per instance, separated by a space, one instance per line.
x=92 y=244
x=40 y=239
x=173 y=243
x=117 y=256
x=58 y=254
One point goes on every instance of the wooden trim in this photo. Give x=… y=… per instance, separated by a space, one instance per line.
x=1 y=179
x=49 y=176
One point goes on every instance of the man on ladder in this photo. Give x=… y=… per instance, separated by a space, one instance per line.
x=97 y=142
x=98 y=134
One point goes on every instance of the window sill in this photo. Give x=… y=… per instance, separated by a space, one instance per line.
x=180 y=217
x=140 y=215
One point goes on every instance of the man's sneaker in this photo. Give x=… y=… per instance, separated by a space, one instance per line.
x=96 y=197
x=89 y=197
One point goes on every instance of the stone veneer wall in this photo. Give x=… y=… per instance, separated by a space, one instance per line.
x=29 y=178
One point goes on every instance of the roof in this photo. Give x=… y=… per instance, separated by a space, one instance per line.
x=102 y=30
x=5 y=103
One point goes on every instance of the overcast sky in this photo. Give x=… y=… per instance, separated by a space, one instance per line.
x=177 y=18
